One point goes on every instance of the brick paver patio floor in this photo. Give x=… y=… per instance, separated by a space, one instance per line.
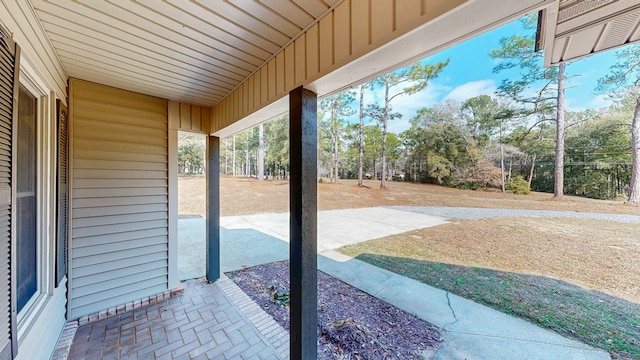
x=208 y=321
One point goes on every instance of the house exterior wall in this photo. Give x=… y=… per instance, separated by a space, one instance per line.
x=38 y=326
x=353 y=29
x=119 y=248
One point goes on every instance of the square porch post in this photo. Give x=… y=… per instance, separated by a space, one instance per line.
x=303 y=223
x=213 y=209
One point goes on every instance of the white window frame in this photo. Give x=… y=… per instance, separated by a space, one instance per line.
x=45 y=197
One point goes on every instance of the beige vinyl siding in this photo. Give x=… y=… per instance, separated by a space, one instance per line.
x=351 y=30
x=18 y=17
x=190 y=118
x=119 y=206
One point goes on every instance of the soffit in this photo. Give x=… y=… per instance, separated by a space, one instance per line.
x=189 y=51
x=576 y=28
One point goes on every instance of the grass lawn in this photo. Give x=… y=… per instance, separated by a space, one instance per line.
x=507 y=264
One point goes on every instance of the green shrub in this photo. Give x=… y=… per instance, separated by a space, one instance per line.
x=320 y=181
x=518 y=186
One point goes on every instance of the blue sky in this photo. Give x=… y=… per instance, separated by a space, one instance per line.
x=470 y=73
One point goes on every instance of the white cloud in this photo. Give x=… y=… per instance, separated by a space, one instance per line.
x=471 y=89
x=594 y=103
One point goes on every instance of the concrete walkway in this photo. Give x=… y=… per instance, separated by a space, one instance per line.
x=472 y=331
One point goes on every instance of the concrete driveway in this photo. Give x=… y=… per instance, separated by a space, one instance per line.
x=257 y=239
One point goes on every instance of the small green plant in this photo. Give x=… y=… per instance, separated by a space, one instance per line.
x=279 y=296
x=320 y=181
x=518 y=186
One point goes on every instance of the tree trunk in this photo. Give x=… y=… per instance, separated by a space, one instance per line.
x=261 y=152
x=336 y=140
x=226 y=155
x=247 y=167
x=502 y=167
x=533 y=166
x=634 y=185
x=385 y=120
x=361 y=136
x=234 y=156
x=558 y=185
x=336 y=159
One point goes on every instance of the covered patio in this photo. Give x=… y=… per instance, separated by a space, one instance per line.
x=94 y=94
x=206 y=321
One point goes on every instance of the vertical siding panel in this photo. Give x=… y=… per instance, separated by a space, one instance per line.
x=326 y=42
x=196 y=121
x=174 y=114
x=264 y=85
x=250 y=94
x=206 y=120
x=300 y=61
x=215 y=119
x=241 y=99
x=230 y=112
x=271 y=78
x=131 y=134
x=245 y=98
x=407 y=12
x=185 y=116
x=236 y=105
x=342 y=31
x=360 y=30
x=381 y=20
x=313 y=58
x=227 y=111
x=289 y=67
x=256 y=89
x=280 y=74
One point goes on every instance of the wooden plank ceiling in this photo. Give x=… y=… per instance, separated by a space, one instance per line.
x=190 y=51
x=576 y=28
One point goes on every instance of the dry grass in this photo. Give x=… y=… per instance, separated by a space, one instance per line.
x=241 y=196
x=594 y=254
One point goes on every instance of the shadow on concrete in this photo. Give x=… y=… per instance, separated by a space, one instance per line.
x=593 y=317
x=238 y=248
x=249 y=247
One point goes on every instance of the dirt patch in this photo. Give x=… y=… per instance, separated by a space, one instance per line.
x=351 y=323
x=242 y=196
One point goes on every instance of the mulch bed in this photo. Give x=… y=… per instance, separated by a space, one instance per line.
x=351 y=323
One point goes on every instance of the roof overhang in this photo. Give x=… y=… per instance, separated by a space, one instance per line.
x=454 y=27
x=204 y=53
x=572 y=29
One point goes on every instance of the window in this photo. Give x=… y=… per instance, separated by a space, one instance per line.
x=26 y=218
